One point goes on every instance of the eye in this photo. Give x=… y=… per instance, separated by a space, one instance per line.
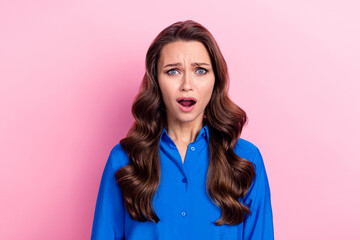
x=170 y=72
x=202 y=71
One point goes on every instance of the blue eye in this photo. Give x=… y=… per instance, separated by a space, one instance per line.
x=173 y=71
x=169 y=72
x=204 y=71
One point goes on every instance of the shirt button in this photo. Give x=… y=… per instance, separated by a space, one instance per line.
x=183 y=180
x=183 y=214
x=192 y=148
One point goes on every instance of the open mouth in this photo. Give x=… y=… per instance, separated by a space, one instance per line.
x=186 y=103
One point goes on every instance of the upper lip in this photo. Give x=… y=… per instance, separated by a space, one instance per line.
x=185 y=98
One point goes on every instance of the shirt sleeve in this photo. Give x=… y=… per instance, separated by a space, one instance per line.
x=259 y=224
x=108 y=222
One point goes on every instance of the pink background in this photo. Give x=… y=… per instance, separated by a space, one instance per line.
x=69 y=71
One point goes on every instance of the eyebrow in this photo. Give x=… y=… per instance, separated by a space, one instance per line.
x=177 y=64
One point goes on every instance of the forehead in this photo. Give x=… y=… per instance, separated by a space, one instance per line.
x=179 y=51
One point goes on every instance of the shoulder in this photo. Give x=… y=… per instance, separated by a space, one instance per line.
x=249 y=151
x=118 y=157
x=259 y=185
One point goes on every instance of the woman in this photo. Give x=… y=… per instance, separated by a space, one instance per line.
x=183 y=172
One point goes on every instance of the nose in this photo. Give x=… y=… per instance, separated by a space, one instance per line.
x=186 y=83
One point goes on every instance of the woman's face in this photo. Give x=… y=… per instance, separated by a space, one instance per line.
x=185 y=70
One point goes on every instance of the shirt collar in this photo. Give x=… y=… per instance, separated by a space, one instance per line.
x=204 y=133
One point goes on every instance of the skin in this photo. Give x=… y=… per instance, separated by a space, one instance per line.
x=185 y=80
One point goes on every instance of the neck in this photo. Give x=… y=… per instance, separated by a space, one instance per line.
x=184 y=132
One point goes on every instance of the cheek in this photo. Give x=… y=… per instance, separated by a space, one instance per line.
x=208 y=89
x=166 y=92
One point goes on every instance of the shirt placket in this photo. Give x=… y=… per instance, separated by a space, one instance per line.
x=185 y=169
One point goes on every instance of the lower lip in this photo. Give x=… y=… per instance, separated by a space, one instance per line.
x=186 y=109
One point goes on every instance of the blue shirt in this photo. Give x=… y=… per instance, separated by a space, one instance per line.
x=181 y=202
